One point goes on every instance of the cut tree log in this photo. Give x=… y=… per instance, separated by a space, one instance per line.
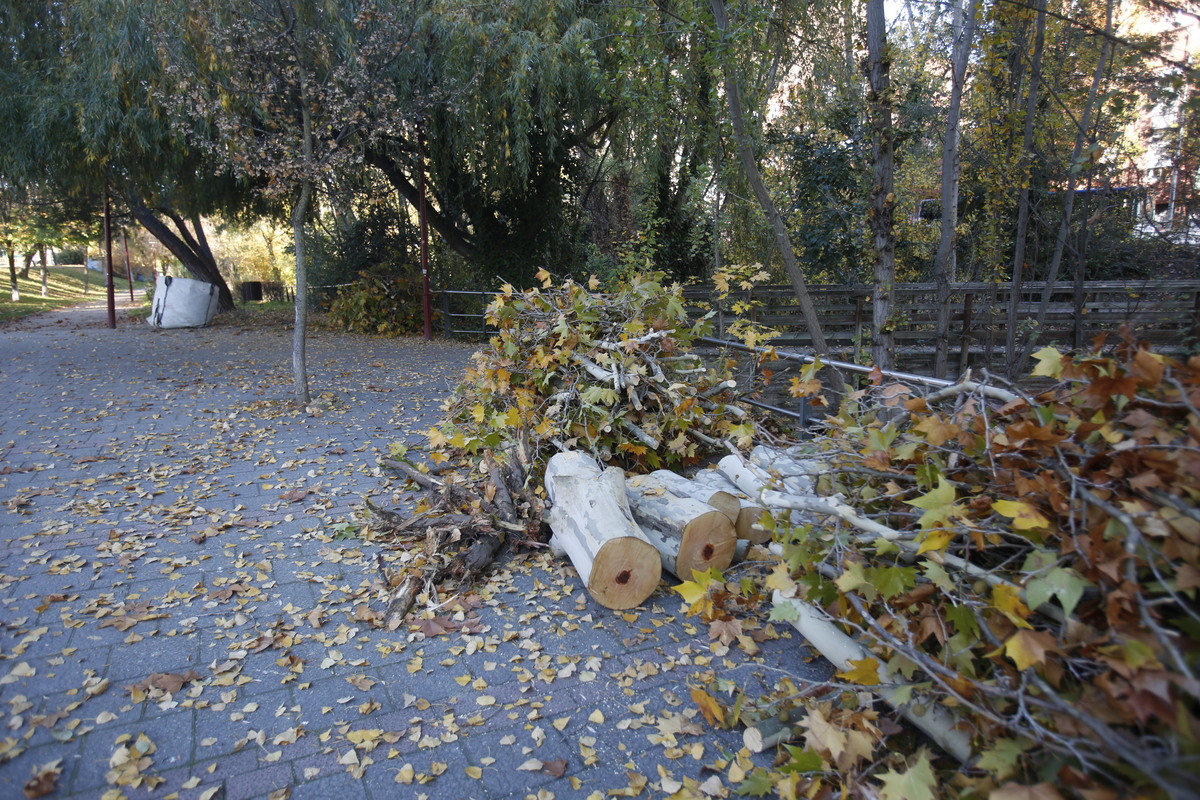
x=676 y=484
x=797 y=474
x=594 y=526
x=750 y=512
x=690 y=535
x=750 y=479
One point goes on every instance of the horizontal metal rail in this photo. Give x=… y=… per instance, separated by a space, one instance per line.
x=844 y=365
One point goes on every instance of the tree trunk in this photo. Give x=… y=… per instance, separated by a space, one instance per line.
x=299 y=212
x=454 y=238
x=1018 y=268
x=45 y=271
x=945 y=266
x=28 y=265
x=594 y=526
x=12 y=274
x=883 y=199
x=198 y=261
x=691 y=536
x=747 y=526
x=667 y=481
x=299 y=363
x=1064 y=227
x=733 y=98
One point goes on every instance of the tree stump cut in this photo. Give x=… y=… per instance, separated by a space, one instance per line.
x=690 y=535
x=593 y=525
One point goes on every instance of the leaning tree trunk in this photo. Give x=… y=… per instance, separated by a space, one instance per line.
x=185 y=246
x=883 y=198
x=733 y=98
x=945 y=265
x=1064 y=227
x=1018 y=267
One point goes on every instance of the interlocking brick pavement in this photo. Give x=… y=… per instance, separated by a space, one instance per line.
x=165 y=601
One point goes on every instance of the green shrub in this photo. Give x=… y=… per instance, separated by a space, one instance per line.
x=382 y=303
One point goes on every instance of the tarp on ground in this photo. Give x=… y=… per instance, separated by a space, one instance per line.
x=182 y=303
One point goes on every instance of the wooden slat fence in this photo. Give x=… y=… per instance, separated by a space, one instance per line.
x=1165 y=313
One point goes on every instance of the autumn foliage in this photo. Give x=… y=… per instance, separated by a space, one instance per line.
x=611 y=373
x=1040 y=583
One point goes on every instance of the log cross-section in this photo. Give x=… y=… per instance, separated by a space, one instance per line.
x=593 y=525
x=691 y=536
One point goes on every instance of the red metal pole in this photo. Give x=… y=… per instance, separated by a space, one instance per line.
x=128 y=266
x=108 y=280
x=426 y=301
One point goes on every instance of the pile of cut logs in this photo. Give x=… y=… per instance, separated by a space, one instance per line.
x=620 y=534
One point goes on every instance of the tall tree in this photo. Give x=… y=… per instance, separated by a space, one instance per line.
x=280 y=91
x=745 y=150
x=883 y=196
x=945 y=268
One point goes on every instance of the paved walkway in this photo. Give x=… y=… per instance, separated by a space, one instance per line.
x=186 y=611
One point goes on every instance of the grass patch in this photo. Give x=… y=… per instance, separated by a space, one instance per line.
x=65 y=287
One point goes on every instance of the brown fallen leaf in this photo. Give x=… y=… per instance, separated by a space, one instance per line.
x=44 y=780
x=556 y=767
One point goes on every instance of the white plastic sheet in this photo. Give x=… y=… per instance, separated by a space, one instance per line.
x=182 y=303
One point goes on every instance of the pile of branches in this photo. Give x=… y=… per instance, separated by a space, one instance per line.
x=570 y=368
x=1016 y=571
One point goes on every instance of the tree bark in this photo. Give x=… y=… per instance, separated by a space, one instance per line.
x=1064 y=227
x=1018 y=267
x=667 y=481
x=12 y=273
x=946 y=263
x=733 y=99
x=454 y=238
x=594 y=526
x=883 y=198
x=45 y=271
x=199 y=262
x=691 y=536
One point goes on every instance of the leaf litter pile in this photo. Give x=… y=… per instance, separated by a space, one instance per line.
x=194 y=608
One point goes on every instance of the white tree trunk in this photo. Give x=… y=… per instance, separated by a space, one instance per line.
x=667 y=481
x=749 y=511
x=594 y=526
x=690 y=535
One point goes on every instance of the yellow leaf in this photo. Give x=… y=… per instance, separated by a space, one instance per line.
x=863 y=671
x=472 y=771
x=436 y=437
x=478 y=412
x=1049 y=362
x=1024 y=516
x=780 y=580
x=512 y=418
x=545 y=277
x=596 y=717
x=937 y=503
x=936 y=539
x=713 y=711
x=1027 y=648
x=1007 y=600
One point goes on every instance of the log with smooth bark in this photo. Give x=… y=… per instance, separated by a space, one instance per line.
x=594 y=526
x=676 y=484
x=748 y=523
x=690 y=535
x=936 y=721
